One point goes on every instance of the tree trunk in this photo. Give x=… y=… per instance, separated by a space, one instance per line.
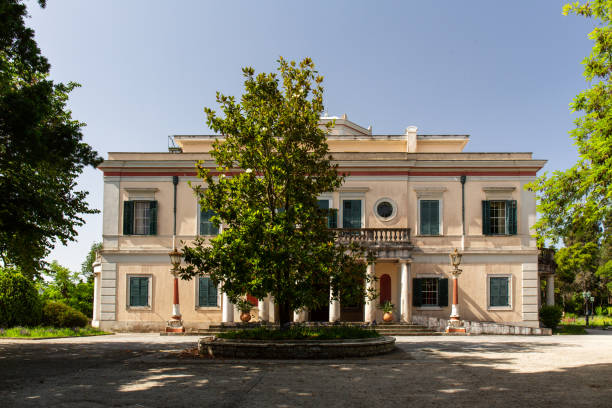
x=284 y=315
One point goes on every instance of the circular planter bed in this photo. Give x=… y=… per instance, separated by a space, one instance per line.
x=294 y=349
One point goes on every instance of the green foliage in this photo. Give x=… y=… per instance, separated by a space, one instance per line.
x=41 y=150
x=244 y=305
x=19 y=300
x=87 y=265
x=44 y=332
x=57 y=314
x=576 y=204
x=67 y=287
x=571 y=329
x=550 y=316
x=387 y=307
x=297 y=332
x=272 y=164
x=603 y=310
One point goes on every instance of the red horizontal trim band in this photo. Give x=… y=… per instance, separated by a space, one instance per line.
x=350 y=173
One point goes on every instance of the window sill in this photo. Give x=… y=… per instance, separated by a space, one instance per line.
x=428 y=308
x=205 y=308
x=500 y=308
x=139 y=308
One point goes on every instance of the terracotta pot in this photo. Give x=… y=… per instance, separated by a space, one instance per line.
x=387 y=317
x=245 y=316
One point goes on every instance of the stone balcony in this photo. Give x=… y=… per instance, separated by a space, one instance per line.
x=387 y=242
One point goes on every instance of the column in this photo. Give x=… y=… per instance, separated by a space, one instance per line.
x=550 y=290
x=300 y=316
x=369 y=313
x=227 y=310
x=334 y=308
x=176 y=308
x=263 y=309
x=271 y=309
x=405 y=291
x=95 y=320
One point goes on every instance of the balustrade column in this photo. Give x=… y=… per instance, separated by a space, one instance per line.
x=369 y=313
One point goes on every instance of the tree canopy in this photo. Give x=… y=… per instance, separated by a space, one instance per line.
x=41 y=150
x=272 y=162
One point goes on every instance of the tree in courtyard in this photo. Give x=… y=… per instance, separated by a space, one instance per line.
x=41 y=150
x=87 y=265
x=275 y=239
x=580 y=198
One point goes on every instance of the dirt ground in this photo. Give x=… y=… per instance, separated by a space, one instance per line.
x=147 y=370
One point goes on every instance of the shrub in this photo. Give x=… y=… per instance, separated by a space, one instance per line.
x=20 y=304
x=551 y=316
x=298 y=332
x=60 y=315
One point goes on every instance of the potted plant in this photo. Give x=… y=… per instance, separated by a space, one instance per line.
x=387 y=309
x=245 y=310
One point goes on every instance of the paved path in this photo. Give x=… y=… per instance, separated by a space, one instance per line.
x=130 y=370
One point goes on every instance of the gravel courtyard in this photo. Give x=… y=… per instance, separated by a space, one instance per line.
x=148 y=370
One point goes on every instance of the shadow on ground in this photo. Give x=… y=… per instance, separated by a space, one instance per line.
x=415 y=375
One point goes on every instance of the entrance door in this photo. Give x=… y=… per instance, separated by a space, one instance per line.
x=320 y=315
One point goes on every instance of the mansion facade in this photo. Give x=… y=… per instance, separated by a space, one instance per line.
x=412 y=197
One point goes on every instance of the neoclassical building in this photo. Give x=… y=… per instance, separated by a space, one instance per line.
x=413 y=197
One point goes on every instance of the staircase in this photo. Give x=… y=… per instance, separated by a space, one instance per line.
x=385 y=329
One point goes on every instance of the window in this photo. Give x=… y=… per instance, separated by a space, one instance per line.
x=207 y=292
x=332 y=213
x=429 y=217
x=385 y=209
x=499 y=291
x=207 y=227
x=430 y=292
x=351 y=213
x=139 y=217
x=139 y=291
x=499 y=217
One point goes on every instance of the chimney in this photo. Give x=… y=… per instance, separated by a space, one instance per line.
x=411 y=139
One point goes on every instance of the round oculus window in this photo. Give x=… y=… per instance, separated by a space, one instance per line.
x=384 y=209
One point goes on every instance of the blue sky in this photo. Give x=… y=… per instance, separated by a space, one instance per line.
x=502 y=72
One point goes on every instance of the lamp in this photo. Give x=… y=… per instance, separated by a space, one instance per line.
x=175 y=258
x=455 y=259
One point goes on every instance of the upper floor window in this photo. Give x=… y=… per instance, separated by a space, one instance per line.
x=429 y=211
x=140 y=217
x=332 y=213
x=351 y=213
x=499 y=217
x=207 y=227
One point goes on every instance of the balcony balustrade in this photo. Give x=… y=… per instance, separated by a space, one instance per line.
x=374 y=236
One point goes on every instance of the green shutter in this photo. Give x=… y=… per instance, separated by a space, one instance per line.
x=207 y=293
x=442 y=292
x=351 y=214
x=332 y=218
x=139 y=291
x=486 y=221
x=207 y=227
x=152 y=217
x=511 y=216
x=430 y=217
x=128 y=217
x=417 y=295
x=498 y=292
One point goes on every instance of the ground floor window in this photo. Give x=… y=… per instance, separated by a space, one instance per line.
x=499 y=291
x=207 y=292
x=139 y=291
x=430 y=292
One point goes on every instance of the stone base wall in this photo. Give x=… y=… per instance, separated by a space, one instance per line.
x=291 y=349
x=481 y=327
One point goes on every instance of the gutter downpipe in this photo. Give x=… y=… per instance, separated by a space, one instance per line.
x=175 y=181
x=463 y=179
